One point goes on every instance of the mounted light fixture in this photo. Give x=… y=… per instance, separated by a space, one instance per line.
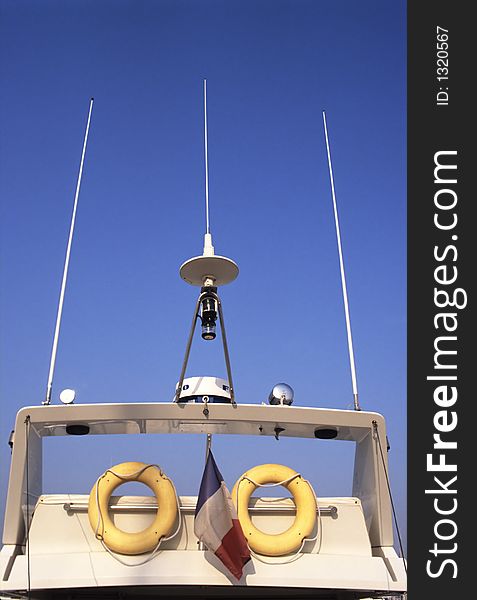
x=282 y=394
x=326 y=433
x=67 y=396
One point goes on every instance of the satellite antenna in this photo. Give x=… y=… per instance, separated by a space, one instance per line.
x=208 y=272
x=56 y=335
x=342 y=271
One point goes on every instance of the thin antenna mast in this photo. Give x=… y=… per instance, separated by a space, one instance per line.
x=67 y=262
x=343 y=278
x=208 y=247
x=207 y=223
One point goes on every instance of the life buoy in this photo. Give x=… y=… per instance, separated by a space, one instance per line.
x=124 y=542
x=303 y=496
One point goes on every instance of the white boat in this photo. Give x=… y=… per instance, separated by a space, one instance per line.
x=53 y=548
x=352 y=556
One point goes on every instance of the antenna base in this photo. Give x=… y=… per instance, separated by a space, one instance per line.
x=197 y=270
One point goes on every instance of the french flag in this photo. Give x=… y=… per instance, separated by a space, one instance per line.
x=216 y=523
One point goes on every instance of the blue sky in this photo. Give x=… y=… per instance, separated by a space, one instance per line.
x=271 y=67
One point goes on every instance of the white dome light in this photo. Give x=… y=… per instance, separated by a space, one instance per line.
x=67 y=396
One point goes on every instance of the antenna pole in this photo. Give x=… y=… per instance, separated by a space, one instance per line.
x=343 y=278
x=207 y=223
x=67 y=262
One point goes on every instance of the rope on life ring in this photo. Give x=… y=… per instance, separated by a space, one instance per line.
x=124 y=542
x=306 y=508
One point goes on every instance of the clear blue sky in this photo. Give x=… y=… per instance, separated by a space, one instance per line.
x=271 y=67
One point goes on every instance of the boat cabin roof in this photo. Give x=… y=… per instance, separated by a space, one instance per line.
x=217 y=418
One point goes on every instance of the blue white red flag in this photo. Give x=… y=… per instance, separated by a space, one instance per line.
x=216 y=523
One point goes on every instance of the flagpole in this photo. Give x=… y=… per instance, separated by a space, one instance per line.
x=208 y=445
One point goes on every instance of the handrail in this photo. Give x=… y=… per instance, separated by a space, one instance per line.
x=331 y=511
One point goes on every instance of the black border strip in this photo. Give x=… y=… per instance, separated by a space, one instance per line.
x=440 y=120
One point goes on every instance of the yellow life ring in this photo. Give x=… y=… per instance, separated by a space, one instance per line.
x=120 y=541
x=303 y=496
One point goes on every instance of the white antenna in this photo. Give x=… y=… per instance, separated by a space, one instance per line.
x=208 y=247
x=67 y=262
x=343 y=278
x=207 y=223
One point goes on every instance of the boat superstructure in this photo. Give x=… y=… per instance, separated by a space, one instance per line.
x=352 y=556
